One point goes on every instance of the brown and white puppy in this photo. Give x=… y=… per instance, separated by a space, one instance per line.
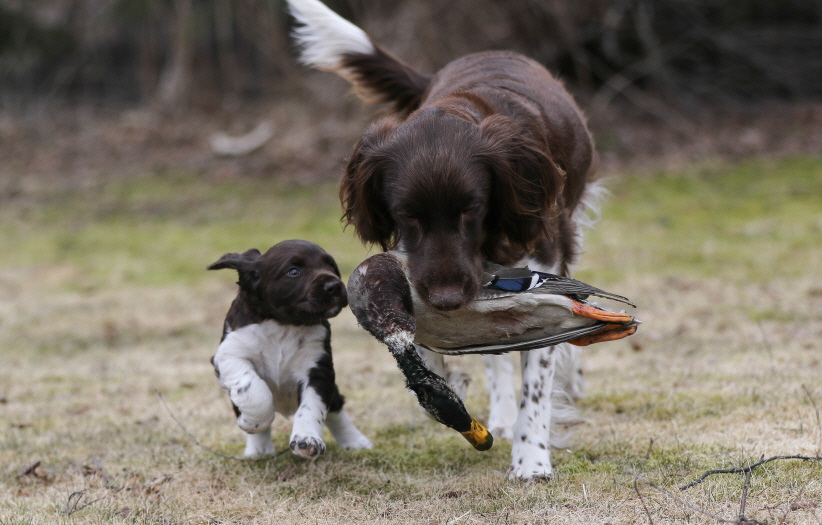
x=488 y=159
x=275 y=352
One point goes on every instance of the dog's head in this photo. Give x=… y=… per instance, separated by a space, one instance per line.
x=294 y=282
x=451 y=193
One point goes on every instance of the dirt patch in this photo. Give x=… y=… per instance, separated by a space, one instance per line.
x=57 y=143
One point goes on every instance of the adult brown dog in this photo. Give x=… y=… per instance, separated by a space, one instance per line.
x=488 y=159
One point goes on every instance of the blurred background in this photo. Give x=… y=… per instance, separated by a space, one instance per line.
x=96 y=88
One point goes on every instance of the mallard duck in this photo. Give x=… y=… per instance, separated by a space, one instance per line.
x=517 y=309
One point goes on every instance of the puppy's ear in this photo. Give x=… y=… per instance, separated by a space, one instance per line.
x=245 y=263
x=526 y=181
x=361 y=190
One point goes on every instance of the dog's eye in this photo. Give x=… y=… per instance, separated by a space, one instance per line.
x=470 y=209
x=293 y=272
x=409 y=215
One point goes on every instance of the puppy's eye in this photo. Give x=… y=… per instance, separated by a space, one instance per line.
x=470 y=209
x=293 y=272
x=408 y=215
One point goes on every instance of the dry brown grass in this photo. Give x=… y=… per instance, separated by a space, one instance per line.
x=723 y=371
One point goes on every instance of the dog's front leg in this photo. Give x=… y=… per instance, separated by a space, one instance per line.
x=530 y=451
x=250 y=395
x=502 y=414
x=307 y=432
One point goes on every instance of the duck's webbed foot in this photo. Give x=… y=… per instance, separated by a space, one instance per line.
x=380 y=297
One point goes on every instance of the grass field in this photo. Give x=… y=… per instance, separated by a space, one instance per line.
x=105 y=302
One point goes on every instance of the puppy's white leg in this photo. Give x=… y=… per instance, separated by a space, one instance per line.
x=258 y=444
x=345 y=433
x=502 y=395
x=307 y=433
x=249 y=393
x=530 y=451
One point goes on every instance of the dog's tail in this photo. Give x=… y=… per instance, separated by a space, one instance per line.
x=329 y=42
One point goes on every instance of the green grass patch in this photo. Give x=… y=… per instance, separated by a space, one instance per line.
x=747 y=222
x=104 y=300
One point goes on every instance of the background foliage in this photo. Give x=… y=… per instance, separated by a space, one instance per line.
x=157 y=49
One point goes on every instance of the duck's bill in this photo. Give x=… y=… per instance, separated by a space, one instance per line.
x=478 y=436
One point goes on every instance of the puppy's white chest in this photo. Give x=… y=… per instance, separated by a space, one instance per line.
x=281 y=355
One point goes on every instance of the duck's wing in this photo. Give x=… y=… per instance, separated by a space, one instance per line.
x=500 y=281
x=598 y=332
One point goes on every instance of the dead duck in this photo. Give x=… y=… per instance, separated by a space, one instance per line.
x=516 y=309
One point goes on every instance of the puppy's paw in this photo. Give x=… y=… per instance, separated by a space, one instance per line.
x=356 y=442
x=253 y=425
x=307 y=447
x=258 y=445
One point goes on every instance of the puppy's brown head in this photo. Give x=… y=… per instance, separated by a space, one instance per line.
x=295 y=282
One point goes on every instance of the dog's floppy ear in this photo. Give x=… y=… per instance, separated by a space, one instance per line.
x=526 y=181
x=361 y=191
x=245 y=263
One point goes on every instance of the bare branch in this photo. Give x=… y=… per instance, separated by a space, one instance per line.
x=746 y=468
x=642 y=500
x=226 y=456
x=744 y=495
x=74 y=499
x=680 y=500
x=109 y=483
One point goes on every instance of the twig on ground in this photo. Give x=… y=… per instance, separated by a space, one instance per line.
x=267 y=457
x=744 y=495
x=746 y=468
x=642 y=500
x=74 y=499
x=680 y=500
x=818 y=421
x=109 y=483
x=650 y=446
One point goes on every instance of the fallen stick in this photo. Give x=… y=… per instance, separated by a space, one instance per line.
x=746 y=468
x=207 y=449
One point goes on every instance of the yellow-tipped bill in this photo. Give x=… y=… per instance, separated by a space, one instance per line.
x=478 y=436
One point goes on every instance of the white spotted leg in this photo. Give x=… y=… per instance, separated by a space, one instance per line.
x=502 y=414
x=530 y=450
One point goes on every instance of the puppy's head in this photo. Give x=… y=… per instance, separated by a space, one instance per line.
x=295 y=282
x=451 y=193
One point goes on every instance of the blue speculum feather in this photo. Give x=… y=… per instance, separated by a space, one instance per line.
x=517 y=284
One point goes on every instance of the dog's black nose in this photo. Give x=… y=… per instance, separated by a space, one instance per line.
x=333 y=287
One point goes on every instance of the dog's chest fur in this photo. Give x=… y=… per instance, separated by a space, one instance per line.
x=282 y=355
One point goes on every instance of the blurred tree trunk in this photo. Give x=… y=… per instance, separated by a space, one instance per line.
x=175 y=80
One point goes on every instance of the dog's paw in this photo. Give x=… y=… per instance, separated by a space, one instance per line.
x=253 y=425
x=530 y=461
x=307 y=447
x=520 y=474
x=356 y=442
x=502 y=432
x=258 y=445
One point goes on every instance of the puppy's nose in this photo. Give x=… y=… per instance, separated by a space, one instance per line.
x=333 y=287
x=446 y=299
